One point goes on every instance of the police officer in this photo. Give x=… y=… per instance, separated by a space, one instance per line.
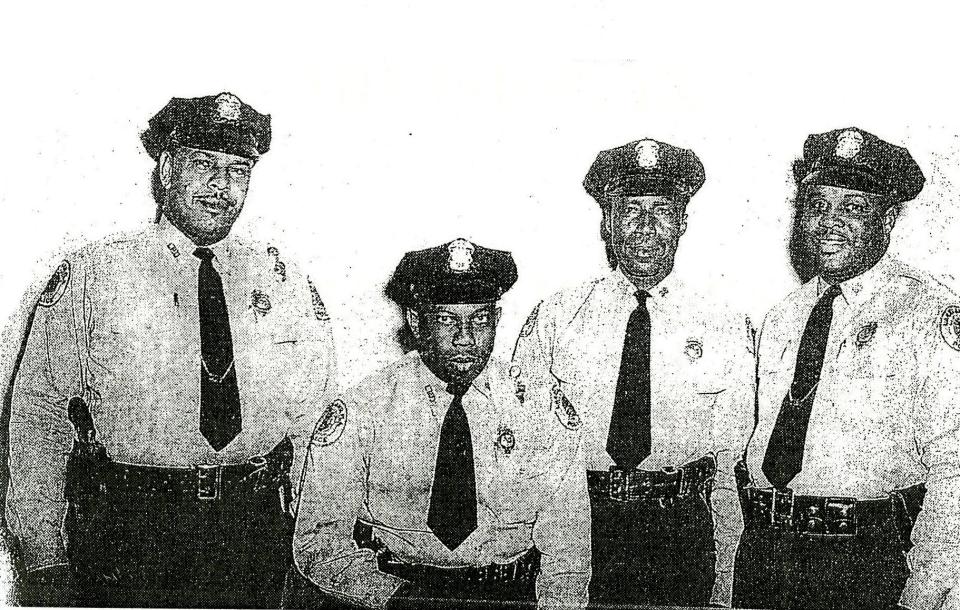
x=858 y=410
x=461 y=487
x=174 y=366
x=662 y=379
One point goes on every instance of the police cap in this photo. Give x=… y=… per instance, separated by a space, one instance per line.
x=455 y=272
x=645 y=167
x=854 y=159
x=220 y=123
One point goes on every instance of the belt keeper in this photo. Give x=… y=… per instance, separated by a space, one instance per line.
x=209 y=481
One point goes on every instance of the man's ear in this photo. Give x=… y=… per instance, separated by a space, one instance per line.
x=683 y=222
x=890 y=218
x=166 y=169
x=413 y=321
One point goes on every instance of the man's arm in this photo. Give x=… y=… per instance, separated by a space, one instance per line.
x=315 y=368
x=51 y=372
x=733 y=422
x=935 y=558
x=562 y=535
x=332 y=492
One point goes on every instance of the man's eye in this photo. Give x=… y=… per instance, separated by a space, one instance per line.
x=202 y=164
x=663 y=210
x=481 y=319
x=239 y=172
x=445 y=319
x=853 y=208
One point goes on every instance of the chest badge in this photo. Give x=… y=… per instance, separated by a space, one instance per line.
x=866 y=333
x=694 y=349
x=506 y=440
x=564 y=410
x=260 y=302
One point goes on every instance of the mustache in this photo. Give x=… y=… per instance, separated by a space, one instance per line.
x=220 y=198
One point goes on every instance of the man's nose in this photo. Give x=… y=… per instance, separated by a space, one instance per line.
x=218 y=179
x=464 y=336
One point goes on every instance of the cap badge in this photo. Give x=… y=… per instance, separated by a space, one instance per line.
x=331 y=423
x=564 y=410
x=950 y=326
x=848 y=144
x=506 y=439
x=694 y=349
x=228 y=107
x=57 y=285
x=260 y=302
x=461 y=255
x=648 y=153
x=866 y=333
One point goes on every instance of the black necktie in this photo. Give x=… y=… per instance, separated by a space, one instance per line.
x=219 y=395
x=452 y=515
x=628 y=441
x=784 y=455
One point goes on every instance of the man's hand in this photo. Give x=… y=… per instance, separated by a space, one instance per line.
x=53 y=586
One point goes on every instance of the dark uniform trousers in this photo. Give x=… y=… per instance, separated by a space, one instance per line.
x=802 y=562
x=652 y=551
x=140 y=537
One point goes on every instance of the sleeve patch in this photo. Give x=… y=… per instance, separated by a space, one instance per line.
x=56 y=286
x=331 y=424
x=950 y=326
x=531 y=322
x=564 y=410
x=319 y=309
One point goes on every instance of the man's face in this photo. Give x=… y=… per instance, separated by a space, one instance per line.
x=645 y=232
x=455 y=341
x=205 y=191
x=844 y=232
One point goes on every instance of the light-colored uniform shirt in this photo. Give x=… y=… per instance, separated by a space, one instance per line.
x=886 y=413
x=379 y=469
x=118 y=325
x=701 y=381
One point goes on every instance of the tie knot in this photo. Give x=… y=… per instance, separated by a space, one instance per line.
x=457 y=389
x=204 y=254
x=832 y=292
x=642 y=296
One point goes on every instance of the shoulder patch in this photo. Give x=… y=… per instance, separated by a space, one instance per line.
x=319 y=309
x=950 y=326
x=531 y=322
x=56 y=286
x=564 y=410
x=331 y=423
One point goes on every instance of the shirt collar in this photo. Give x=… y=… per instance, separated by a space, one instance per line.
x=858 y=289
x=625 y=289
x=177 y=246
x=480 y=384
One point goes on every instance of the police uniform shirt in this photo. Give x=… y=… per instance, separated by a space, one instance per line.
x=118 y=326
x=886 y=413
x=372 y=458
x=701 y=371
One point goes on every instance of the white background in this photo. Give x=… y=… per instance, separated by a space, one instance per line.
x=402 y=125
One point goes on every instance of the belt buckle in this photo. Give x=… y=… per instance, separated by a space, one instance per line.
x=840 y=517
x=617 y=488
x=208 y=481
x=781 y=508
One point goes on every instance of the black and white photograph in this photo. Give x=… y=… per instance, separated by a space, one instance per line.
x=546 y=305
